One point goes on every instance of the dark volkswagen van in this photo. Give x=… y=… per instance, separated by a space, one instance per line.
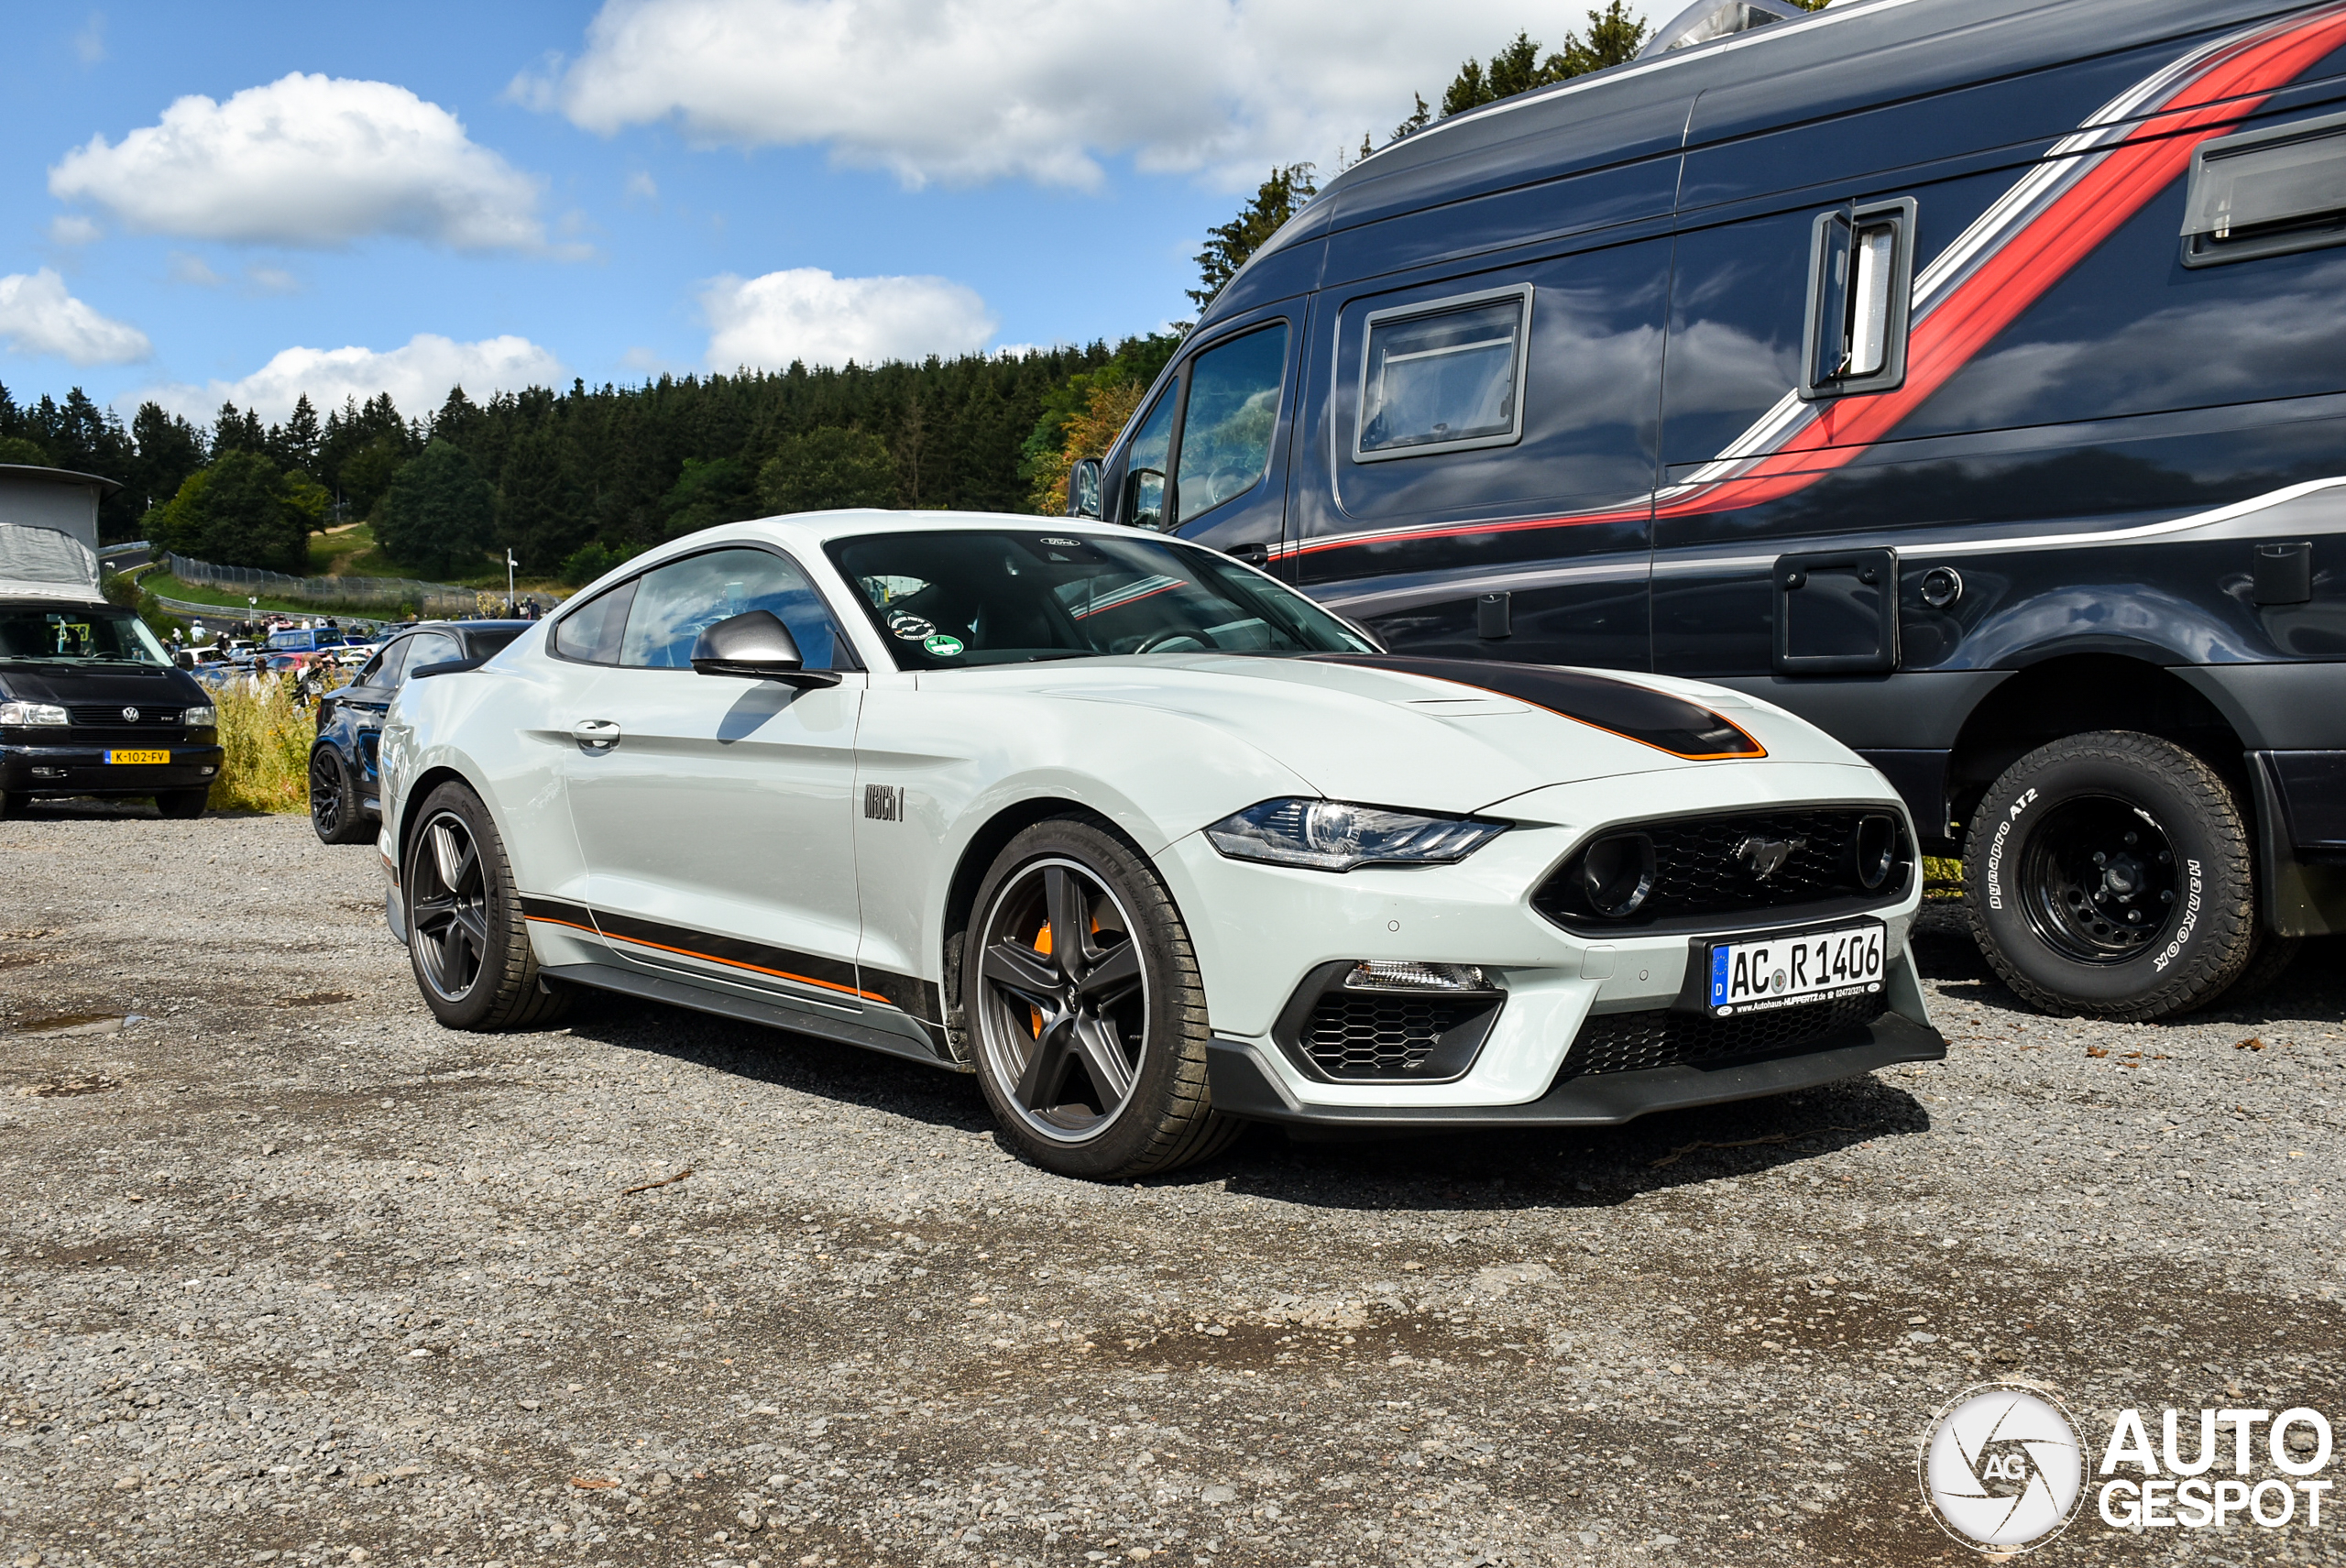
x=1966 y=376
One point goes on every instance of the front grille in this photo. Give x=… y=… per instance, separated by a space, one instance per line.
x=1633 y=1042
x=108 y=715
x=1365 y=1034
x=1697 y=875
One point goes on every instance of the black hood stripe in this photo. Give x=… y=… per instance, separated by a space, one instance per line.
x=1667 y=723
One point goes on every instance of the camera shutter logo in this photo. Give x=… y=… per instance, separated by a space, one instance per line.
x=2001 y=1467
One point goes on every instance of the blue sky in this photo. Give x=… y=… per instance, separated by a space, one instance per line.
x=514 y=191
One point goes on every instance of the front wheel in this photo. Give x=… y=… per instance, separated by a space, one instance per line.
x=2111 y=877
x=1089 y=1019
x=466 y=937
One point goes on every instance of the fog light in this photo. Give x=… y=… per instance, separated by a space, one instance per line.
x=209 y=772
x=1874 y=846
x=1381 y=974
x=1617 y=873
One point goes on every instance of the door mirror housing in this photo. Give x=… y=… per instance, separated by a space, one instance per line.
x=757 y=645
x=1083 y=489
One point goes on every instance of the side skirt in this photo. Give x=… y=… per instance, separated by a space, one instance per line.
x=751 y=1010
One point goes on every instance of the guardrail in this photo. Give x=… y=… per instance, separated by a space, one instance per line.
x=393 y=593
x=213 y=615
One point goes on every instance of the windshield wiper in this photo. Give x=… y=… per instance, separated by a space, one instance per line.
x=1058 y=653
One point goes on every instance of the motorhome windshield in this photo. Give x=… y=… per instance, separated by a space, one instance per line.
x=77 y=636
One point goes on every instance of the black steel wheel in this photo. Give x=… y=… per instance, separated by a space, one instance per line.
x=1087 y=1019
x=465 y=937
x=2110 y=876
x=336 y=815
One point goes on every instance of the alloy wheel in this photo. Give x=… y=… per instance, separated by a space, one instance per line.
x=448 y=906
x=326 y=803
x=1063 y=1011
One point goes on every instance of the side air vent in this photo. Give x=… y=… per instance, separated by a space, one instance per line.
x=1709 y=19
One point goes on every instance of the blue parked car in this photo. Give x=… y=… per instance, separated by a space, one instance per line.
x=343 y=781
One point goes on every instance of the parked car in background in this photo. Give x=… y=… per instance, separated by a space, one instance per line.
x=304 y=640
x=343 y=782
x=1968 y=377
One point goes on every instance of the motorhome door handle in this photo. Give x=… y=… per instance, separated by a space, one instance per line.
x=598 y=732
x=1253 y=554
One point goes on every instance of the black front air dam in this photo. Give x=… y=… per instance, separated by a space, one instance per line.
x=1242 y=1088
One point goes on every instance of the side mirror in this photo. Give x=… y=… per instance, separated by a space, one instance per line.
x=1145 y=498
x=1083 y=489
x=756 y=644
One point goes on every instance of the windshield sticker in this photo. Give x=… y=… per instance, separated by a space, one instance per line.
x=908 y=626
x=940 y=646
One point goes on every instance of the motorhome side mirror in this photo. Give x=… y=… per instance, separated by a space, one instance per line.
x=757 y=645
x=1083 y=489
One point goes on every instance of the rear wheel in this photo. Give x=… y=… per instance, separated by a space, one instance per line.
x=334 y=815
x=2111 y=877
x=182 y=805
x=466 y=940
x=1090 y=1018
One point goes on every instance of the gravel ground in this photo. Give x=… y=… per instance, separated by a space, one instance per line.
x=289 y=1274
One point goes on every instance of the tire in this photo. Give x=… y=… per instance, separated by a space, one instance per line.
x=1091 y=1052
x=2111 y=877
x=7 y=804
x=334 y=815
x=466 y=940
x=182 y=805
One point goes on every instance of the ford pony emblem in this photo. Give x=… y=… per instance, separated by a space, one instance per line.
x=1763 y=858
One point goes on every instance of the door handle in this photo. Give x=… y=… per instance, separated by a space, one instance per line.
x=599 y=733
x=1256 y=554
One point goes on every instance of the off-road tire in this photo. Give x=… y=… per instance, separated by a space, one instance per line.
x=1167 y=1120
x=509 y=992
x=2200 y=948
x=182 y=805
x=2267 y=963
x=336 y=818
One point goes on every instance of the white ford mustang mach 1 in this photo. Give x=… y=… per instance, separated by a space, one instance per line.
x=1148 y=841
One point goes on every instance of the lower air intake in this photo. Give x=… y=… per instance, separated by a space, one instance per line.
x=1635 y=1042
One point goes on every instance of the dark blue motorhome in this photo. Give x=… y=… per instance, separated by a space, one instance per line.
x=1966 y=376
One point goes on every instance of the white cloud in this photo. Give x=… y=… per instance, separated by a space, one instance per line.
x=642 y=187
x=73 y=228
x=806 y=313
x=272 y=280
x=964 y=91
x=38 y=316
x=308 y=160
x=90 y=43
x=417 y=376
x=194 y=270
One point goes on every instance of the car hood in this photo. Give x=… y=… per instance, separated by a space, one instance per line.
x=95 y=682
x=1440 y=735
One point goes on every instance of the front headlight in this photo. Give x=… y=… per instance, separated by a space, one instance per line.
x=32 y=713
x=1333 y=836
x=202 y=716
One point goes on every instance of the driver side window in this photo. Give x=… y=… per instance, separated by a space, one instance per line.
x=676 y=603
x=1229 y=402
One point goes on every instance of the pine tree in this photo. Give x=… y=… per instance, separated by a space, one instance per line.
x=1229 y=245
x=438 y=516
x=296 y=445
x=1614 y=39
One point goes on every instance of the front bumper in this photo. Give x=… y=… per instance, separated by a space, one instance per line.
x=83 y=770
x=1245 y=1084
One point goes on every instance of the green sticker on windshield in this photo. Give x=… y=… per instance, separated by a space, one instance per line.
x=941 y=646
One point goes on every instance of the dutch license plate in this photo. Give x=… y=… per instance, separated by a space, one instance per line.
x=1762 y=975
x=148 y=757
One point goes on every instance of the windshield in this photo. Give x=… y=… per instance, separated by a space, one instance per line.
x=78 y=636
x=950 y=599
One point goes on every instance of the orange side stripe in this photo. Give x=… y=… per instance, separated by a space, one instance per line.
x=712 y=958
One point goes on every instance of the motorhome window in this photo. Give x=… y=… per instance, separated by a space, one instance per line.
x=1144 y=465
x=2267 y=193
x=1443 y=376
x=1233 y=410
x=1860 y=282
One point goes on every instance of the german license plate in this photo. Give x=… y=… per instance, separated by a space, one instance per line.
x=1762 y=975
x=148 y=757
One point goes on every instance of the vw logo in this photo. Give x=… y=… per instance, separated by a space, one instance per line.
x=1763 y=858
x=131 y=713
x=2001 y=1467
